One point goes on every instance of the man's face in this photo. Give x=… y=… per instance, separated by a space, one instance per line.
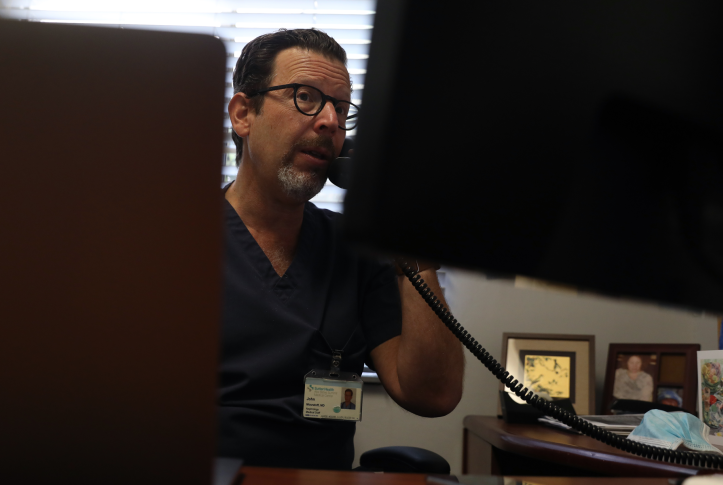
x=347 y=397
x=634 y=363
x=291 y=151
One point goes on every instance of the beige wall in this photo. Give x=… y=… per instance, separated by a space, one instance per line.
x=487 y=308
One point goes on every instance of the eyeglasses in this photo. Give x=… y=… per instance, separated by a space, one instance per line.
x=310 y=101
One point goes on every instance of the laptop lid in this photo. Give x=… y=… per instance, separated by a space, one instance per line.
x=110 y=254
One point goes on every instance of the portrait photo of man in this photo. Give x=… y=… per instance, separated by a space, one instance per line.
x=347 y=404
x=631 y=381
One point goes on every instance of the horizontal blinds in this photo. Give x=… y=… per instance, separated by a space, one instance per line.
x=235 y=22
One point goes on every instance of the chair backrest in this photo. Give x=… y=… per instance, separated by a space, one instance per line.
x=403 y=459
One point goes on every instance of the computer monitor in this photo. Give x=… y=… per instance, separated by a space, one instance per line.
x=577 y=142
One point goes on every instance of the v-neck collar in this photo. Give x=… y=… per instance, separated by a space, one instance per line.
x=285 y=284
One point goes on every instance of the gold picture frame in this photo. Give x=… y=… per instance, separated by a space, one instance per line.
x=563 y=365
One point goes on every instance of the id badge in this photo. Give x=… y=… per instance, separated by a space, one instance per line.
x=332 y=398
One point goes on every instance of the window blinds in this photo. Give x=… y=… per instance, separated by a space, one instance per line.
x=235 y=22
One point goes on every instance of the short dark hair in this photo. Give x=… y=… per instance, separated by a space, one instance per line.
x=349 y=390
x=255 y=65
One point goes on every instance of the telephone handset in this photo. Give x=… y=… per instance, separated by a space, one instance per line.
x=338 y=173
x=340 y=168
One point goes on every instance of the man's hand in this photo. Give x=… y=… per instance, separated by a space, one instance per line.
x=423 y=368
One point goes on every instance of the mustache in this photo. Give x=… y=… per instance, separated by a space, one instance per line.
x=316 y=142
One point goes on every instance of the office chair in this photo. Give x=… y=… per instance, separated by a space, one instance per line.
x=402 y=459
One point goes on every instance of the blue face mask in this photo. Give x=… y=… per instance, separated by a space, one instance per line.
x=670 y=430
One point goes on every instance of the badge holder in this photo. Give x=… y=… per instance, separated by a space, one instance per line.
x=333 y=394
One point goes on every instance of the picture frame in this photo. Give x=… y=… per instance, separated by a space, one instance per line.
x=563 y=365
x=664 y=373
x=709 y=371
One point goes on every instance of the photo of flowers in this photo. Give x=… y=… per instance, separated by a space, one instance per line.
x=710 y=393
x=551 y=373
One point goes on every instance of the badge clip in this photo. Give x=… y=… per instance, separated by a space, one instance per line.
x=335 y=363
x=334 y=373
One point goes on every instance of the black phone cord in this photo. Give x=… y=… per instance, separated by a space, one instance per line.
x=702 y=460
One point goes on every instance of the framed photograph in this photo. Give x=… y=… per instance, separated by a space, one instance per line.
x=663 y=373
x=710 y=393
x=559 y=366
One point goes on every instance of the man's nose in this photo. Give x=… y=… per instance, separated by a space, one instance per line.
x=327 y=120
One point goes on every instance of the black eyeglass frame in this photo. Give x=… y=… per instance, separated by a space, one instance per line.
x=324 y=99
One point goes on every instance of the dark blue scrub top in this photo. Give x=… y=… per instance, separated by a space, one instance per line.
x=276 y=329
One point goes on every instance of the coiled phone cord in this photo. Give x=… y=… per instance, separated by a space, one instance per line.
x=703 y=460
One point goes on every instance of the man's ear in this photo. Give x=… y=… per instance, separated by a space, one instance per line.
x=240 y=114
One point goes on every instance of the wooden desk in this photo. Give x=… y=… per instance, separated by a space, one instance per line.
x=285 y=476
x=493 y=447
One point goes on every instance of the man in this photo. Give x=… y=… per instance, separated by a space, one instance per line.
x=347 y=404
x=632 y=382
x=294 y=292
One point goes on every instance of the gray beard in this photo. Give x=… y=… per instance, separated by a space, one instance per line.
x=298 y=185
